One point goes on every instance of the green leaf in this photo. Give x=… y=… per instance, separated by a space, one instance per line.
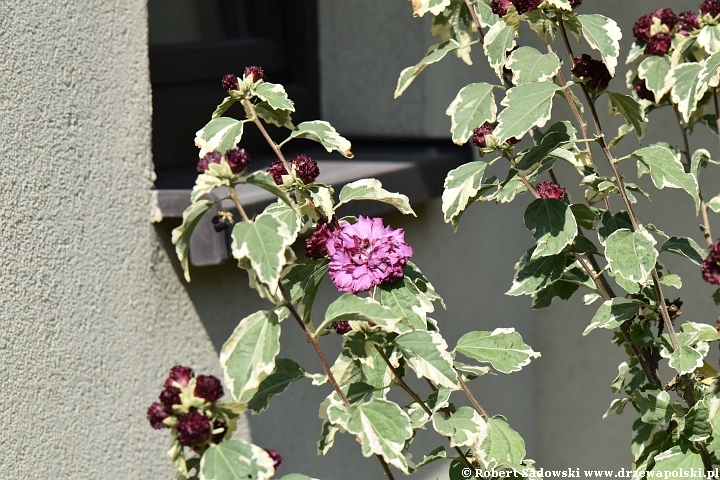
x=654 y=71
x=437 y=454
x=279 y=118
x=667 y=171
x=503 y=348
x=528 y=106
x=435 y=7
x=263 y=179
x=699 y=159
x=584 y=216
x=465 y=427
x=221 y=134
x=560 y=5
x=325 y=134
x=631 y=255
x=560 y=289
x=616 y=406
x=434 y=54
x=353 y=308
x=687 y=357
x=654 y=406
x=614 y=313
x=709 y=38
x=530 y=65
x=302 y=282
x=382 y=428
x=678 y=457
x=222 y=108
x=405 y=300
x=503 y=445
x=275 y=96
x=687 y=247
x=552 y=224
x=262 y=242
x=630 y=109
x=556 y=136
x=714 y=204
x=427 y=354
x=248 y=356
x=473 y=106
x=534 y=275
x=286 y=372
x=610 y=223
x=686 y=88
x=461 y=187
x=371 y=189
x=235 y=459
x=181 y=235
x=499 y=39
x=485 y=14
x=602 y=34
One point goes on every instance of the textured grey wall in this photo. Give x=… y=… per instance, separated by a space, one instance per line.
x=93 y=314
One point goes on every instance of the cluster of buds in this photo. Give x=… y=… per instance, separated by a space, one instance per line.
x=188 y=407
x=237 y=87
x=304 y=168
x=593 y=73
x=484 y=139
x=501 y=7
x=548 y=190
x=236 y=158
x=658 y=29
x=711 y=265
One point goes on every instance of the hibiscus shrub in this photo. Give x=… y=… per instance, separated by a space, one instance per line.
x=384 y=301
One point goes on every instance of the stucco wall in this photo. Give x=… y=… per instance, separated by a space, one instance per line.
x=93 y=314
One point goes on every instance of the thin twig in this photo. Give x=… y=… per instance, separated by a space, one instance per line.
x=236 y=201
x=623 y=193
x=475 y=19
x=265 y=134
x=331 y=378
x=472 y=398
x=401 y=382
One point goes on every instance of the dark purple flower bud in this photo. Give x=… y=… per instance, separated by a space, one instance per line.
x=710 y=6
x=711 y=265
x=193 y=428
x=230 y=82
x=208 y=387
x=688 y=22
x=592 y=72
x=643 y=92
x=156 y=414
x=667 y=17
x=306 y=168
x=341 y=327
x=169 y=397
x=218 y=437
x=277 y=170
x=575 y=3
x=500 y=7
x=179 y=374
x=641 y=29
x=316 y=245
x=204 y=163
x=256 y=73
x=237 y=159
x=524 y=6
x=479 y=134
x=659 y=44
x=550 y=190
x=276 y=458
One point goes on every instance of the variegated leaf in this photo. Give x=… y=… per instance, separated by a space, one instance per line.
x=602 y=34
x=631 y=255
x=473 y=106
x=465 y=427
x=530 y=65
x=630 y=109
x=181 y=235
x=427 y=354
x=654 y=70
x=275 y=96
x=461 y=186
x=709 y=39
x=371 y=189
x=552 y=224
x=614 y=313
x=667 y=171
x=434 y=54
x=325 y=134
x=503 y=348
x=528 y=106
x=498 y=41
x=221 y=134
x=686 y=88
x=235 y=459
x=435 y=7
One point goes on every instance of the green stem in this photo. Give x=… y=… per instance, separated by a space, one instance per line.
x=265 y=134
x=236 y=201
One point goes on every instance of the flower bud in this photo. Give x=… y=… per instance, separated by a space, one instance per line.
x=316 y=244
x=548 y=190
x=480 y=133
x=218 y=437
x=230 y=82
x=156 y=414
x=688 y=22
x=277 y=170
x=643 y=92
x=237 y=159
x=276 y=458
x=306 y=168
x=223 y=220
x=711 y=7
x=169 y=397
x=575 y=3
x=524 y=6
x=193 y=428
x=179 y=374
x=204 y=163
x=209 y=388
x=341 y=327
x=711 y=265
x=500 y=7
x=592 y=72
x=659 y=44
x=254 y=73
